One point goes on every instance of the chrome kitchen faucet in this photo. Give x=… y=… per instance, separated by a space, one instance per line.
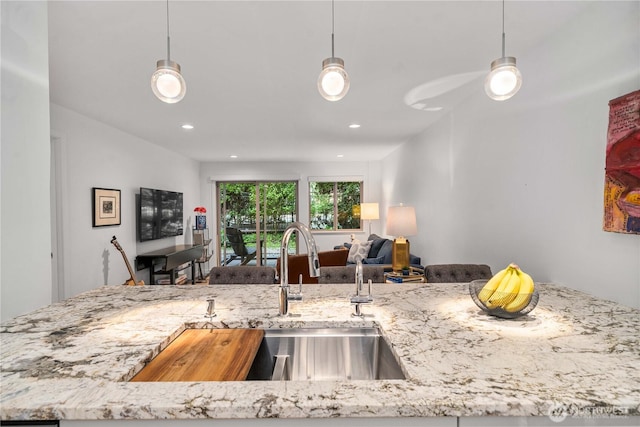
x=358 y=299
x=284 y=295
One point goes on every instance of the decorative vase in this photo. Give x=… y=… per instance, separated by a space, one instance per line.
x=201 y=222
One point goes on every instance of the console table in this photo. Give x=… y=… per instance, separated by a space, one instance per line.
x=170 y=261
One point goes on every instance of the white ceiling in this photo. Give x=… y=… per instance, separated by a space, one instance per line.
x=251 y=69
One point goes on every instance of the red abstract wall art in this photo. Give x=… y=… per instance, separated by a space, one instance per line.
x=622 y=171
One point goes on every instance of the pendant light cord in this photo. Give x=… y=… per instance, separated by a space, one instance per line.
x=168 y=39
x=502 y=28
x=332 y=27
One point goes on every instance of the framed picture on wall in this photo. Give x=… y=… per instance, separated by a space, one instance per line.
x=106 y=207
x=622 y=166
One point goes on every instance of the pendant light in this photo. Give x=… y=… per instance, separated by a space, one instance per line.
x=333 y=82
x=166 y=82
x=504 y=79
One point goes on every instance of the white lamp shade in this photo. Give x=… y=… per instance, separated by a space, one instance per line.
x=167 y=83
x=369 y=211
x=333 y=82
x=504 y=80
x=401 y=221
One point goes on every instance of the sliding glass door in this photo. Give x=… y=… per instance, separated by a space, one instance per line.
x=252 y=217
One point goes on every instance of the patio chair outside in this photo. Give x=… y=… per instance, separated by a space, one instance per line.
x=234 y=236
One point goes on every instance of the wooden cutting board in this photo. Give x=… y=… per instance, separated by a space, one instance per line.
x=205 y=355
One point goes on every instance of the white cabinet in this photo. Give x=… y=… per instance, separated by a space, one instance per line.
x=275 y=422
x=569 y=421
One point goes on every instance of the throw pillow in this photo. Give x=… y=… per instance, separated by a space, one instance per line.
x=375 y=246
x=386 y=252
x=358 y=251
x=378 y=260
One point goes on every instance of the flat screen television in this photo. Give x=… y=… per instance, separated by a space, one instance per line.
x=160 y=214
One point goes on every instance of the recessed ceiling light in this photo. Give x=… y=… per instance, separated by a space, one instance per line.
x=187 y=126
x=340 y=156
x=354 y=126
x=233 y=156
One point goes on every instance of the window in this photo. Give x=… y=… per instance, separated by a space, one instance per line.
x=334 y=205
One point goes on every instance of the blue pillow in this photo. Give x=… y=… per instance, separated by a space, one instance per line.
x=379 y=260
x=386 y=252
x=375 y=247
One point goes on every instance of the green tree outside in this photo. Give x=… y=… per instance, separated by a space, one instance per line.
x=335 y=205
x=278 y=208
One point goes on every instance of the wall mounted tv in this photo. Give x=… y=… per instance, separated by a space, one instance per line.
x=160 y=214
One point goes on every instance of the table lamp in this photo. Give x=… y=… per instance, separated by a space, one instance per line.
x=401 y=222
x=369 y=211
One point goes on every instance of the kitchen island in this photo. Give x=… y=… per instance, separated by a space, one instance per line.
x=574 y=356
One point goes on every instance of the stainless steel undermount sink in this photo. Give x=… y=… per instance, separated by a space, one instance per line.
x=320 y=354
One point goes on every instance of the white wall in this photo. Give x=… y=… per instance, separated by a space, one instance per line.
x=211 y=172
x=25 y=278
x=522 y=180
x=97 y=155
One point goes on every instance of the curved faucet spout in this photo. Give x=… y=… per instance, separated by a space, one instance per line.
x=314 y=261
x=359 y=276
x=358 y=299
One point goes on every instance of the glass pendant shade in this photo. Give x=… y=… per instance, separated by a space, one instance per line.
x=167 y=83
x=333 y=82
x=504 y=79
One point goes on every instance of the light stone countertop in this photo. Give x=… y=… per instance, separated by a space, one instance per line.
x=72 y=360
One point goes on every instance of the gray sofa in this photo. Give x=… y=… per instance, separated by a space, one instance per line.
x=381 y=252
x=456 y=273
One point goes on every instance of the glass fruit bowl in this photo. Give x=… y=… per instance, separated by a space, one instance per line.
x=525 y=307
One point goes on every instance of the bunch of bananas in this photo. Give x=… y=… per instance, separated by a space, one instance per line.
x=509 y=289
